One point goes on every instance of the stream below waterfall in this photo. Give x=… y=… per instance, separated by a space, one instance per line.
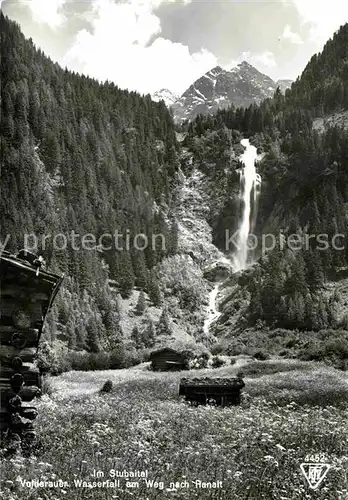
x=213 y=313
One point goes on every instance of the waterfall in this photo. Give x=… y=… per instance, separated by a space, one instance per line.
x=250 y=185
x=213 y=312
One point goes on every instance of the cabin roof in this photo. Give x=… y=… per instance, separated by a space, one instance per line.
x=8 y=259
x=164 y=350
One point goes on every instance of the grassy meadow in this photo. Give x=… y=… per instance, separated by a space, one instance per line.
x=290 y=409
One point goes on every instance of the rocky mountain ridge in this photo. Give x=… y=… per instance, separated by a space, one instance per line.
x=219 y=88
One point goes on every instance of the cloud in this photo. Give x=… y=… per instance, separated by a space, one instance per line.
x=323 y=16
x=265 y=59
x=125 y=46
x=47 y=11
x=292 y=37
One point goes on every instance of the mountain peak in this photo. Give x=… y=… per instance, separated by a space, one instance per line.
x=219 y=88
x=165 y=95
x=216 y=69
x=245 y=64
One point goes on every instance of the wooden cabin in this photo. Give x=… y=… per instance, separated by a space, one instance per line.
x=219 y=391
x=168 y=359
x=27 y=292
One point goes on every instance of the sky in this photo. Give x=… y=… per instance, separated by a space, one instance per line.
x=147 y=45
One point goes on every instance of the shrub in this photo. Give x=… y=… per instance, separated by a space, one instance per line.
x=61 y=365
x=100 y=361
x=188 y=354
x=200 y=361
x=337 y=347
x=114 y=360
x=46 y=386
x=217 y=362
x=131 y=358
x=143 y=355
x=79 y=361
x=107 y=387
x=85 y=361
x=333 y=351
x=342 y=364
x=261 y=355
x=117 y=358
x=48 y=360
x=217 y=349
x=285 y=353
x=236 y=347
x=58 y=362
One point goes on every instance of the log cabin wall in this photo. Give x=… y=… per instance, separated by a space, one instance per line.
x=26 y=294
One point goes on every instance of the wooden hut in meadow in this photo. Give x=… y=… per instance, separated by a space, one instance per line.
x=168 y=359
x=220 y=391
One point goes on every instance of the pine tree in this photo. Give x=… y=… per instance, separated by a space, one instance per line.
x=164 y=327
x=296 y=282
x=296 y=311
x=113 y=328
x=140 y=271
x=141 y=304
x=272 y=289
x=92 y=335
x=322 y=314
x=80 y=334
x=125 y=275
x=136 y=337
x=315 y=272
x=255 y=307
x=172 y=239
x=149 y=334
x=154 y=291
x=71 y=333
x=50 y=327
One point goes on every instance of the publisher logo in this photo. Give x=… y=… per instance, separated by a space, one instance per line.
x=314 y=473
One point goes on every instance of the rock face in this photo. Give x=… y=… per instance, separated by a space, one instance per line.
x=284 y=84
x=219 y=88
x=339 y=119
x=218 y=271
x=195 y=234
